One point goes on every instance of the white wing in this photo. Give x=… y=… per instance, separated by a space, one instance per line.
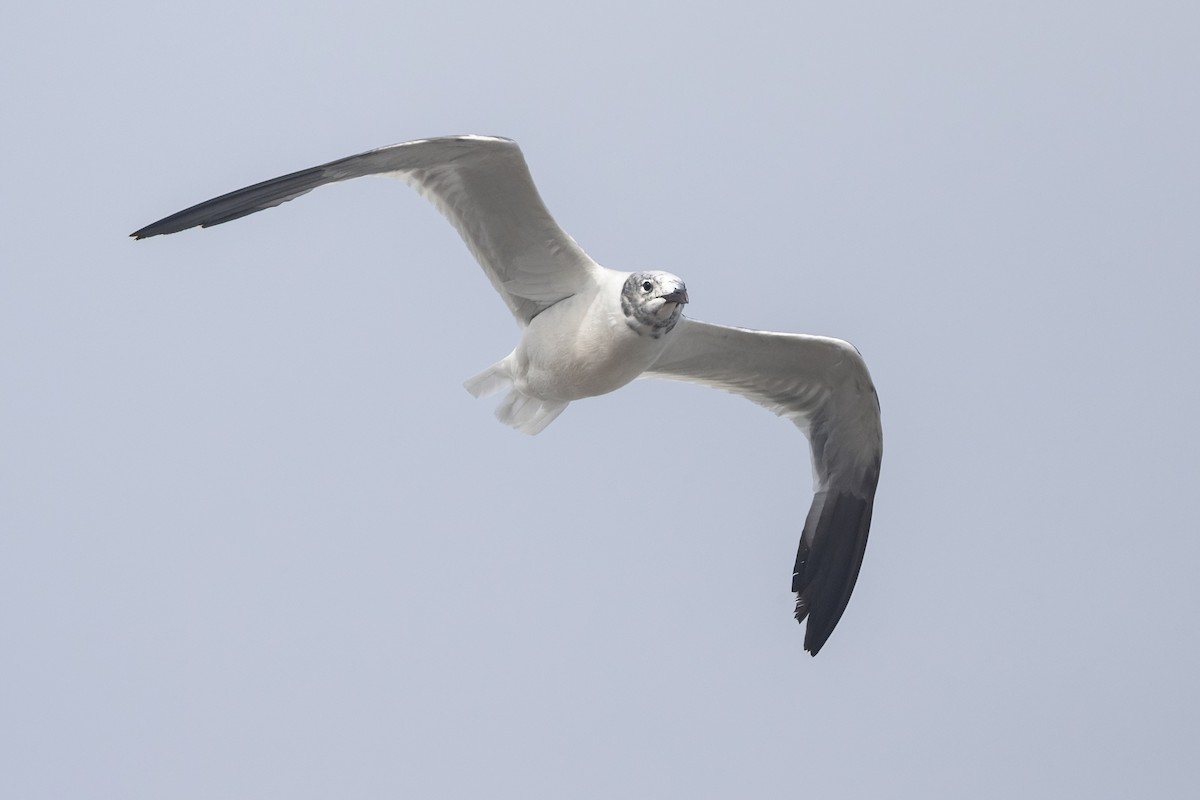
x=821 y=385
x=482 y=186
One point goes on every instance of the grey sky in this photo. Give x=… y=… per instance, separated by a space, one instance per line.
x=259 y=542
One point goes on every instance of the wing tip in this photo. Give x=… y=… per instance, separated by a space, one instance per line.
x=824 y=580
x=810 y=644
x=161 y=228
x=813 y=642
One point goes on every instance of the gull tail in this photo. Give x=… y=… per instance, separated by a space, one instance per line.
x=527 y=414
x=495 y=378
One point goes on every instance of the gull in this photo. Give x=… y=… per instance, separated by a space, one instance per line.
x=588 y=330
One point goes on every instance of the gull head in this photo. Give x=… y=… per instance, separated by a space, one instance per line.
x=653 y=302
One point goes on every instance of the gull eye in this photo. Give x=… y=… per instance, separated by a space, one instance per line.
x=647 y=286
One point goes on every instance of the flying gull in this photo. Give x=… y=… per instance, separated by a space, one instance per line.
x=588 y=330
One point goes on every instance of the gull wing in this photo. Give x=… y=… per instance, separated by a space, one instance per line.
x=822 y=385
x=480 y=184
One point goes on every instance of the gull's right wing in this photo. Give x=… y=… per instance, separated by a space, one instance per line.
x=821 y=385
x=480 y=184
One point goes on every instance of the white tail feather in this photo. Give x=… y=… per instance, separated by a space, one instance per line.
x=527 y=414
x=495 y=378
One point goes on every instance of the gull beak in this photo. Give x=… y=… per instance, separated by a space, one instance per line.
x=678 y=296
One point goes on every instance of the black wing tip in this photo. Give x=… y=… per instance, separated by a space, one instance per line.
x=818 y=630
x=161 y=229
x=810 y=644
x=173 y=224
x=242 y=202
x=824 y=579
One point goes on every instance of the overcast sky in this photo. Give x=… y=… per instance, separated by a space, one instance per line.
x=257 y=541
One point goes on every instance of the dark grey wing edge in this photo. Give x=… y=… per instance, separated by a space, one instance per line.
x=271 y=193
x=824 y=577
x=239 y=203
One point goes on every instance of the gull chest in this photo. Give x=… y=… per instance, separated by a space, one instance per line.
x=572 y=351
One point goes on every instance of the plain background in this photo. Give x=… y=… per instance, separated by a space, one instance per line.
x=258 y=542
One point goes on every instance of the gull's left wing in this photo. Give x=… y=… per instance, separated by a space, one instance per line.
x=822 y=385
x=481 y=184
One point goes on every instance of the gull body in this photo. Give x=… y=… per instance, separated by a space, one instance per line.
x=585 y=345
x=589 y=330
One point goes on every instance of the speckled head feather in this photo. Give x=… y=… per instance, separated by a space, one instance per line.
x=653 y=302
